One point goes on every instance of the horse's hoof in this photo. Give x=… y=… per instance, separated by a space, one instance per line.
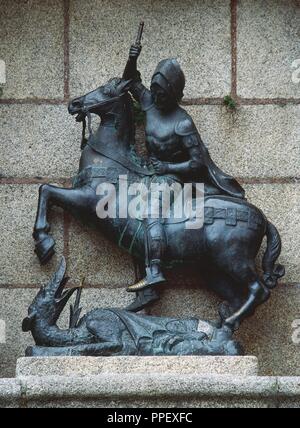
x=45 y=250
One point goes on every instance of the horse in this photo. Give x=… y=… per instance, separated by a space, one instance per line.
x=225 y=248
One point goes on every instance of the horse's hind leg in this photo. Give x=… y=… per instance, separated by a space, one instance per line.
x=257 y=293
x=226 y=288
x=68 y=199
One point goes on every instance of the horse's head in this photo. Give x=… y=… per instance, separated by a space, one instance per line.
x=100 y=101
x=112 y=103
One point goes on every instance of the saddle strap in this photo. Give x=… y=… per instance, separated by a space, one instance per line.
x=232 y=216
x=123 y=161
x=109 y=174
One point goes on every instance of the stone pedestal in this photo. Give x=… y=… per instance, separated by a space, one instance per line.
x=89 y=366
x=146 y=382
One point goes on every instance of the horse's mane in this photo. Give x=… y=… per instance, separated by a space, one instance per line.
x=113 y=84
x=111 y=88
x=130 y=117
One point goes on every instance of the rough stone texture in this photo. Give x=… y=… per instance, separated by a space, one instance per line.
x=235 y=366
x=289 y=386
x=173 y=403
x=253 y=141
x=268 y=43
x=289 y=404
x=149 y=390
x=97 y=260
x=34 y=57
x=148 y=385
x=19 y=264
x=102 y=32
x=38 y=141
x=185 y=300
x=289 y=392
x=10 y=393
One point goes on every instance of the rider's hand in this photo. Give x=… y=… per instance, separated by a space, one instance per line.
x=135 y=51
x=160 y=168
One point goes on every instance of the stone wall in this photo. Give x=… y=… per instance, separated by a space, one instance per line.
x=57 y=49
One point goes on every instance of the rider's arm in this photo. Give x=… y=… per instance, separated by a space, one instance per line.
x=191 y=140
x=191 y=166
x=131 y=71
x=139 y=92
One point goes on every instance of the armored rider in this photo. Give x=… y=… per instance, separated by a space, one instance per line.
x=175 y=148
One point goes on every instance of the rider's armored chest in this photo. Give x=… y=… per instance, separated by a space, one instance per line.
x=162 y=140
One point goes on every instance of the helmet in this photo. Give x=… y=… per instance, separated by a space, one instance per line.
x=170 y=77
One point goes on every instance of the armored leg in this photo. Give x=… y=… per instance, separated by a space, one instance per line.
x=155 y=247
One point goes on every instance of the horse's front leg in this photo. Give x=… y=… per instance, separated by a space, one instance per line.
x=68 y=199
x=44 y=243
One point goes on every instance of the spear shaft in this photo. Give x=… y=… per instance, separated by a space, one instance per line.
x=138 y=41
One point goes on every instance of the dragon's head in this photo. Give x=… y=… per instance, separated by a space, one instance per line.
x=50 y=300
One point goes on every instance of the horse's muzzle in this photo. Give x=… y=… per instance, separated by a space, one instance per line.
x=75 y=106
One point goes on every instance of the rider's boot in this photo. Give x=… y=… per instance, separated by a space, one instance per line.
x=155 y=247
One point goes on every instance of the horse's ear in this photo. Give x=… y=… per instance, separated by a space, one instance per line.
x=124 y=86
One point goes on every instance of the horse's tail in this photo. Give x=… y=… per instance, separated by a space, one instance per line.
x=272 y=272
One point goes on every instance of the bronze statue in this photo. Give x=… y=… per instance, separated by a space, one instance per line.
x=224 y=249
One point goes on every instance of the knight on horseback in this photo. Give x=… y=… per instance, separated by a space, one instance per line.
x=225 y=248
x=175 y=149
